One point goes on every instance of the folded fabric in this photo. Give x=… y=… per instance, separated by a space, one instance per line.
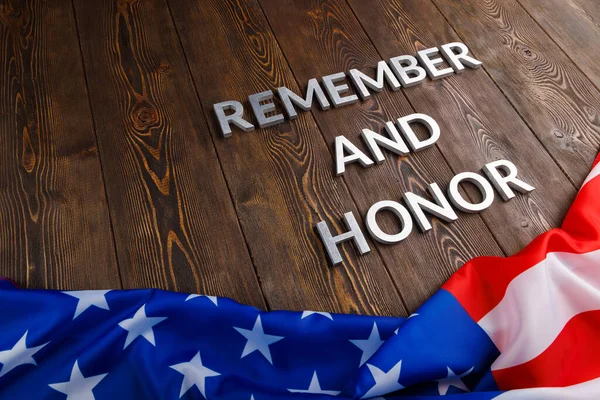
x=517 y=328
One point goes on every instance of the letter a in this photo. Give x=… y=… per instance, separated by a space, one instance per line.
x=344 y=145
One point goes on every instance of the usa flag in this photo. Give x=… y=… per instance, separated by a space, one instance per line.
x=526 y=327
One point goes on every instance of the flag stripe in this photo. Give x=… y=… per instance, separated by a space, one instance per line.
x=481 y=283
x=584 y=391
x=596 y=161
x=539 y=303
x=595 y=172
x=527 y=323
x=572 y=358
x=583 y=219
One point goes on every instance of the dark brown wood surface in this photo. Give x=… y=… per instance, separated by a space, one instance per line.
x=113 y=172
x=54 y=223
x=171 y=210
x=575 y=26
x=333 y=41
x=548 y=90
x=480 y=124
x=281 y=178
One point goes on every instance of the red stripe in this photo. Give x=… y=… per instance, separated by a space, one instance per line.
x=574 y=357
x=596 y=161
x=481 y=283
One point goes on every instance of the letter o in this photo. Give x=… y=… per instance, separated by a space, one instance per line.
x=399 y=211
x=486 y=189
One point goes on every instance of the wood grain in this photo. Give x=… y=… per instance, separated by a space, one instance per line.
x=590 y=7
x=332 y=40
x=143 y=179
x=175 y=226
x=54 y=224
x=554 y=97
x=281 y=178
x=478 y=124
x=574 y=29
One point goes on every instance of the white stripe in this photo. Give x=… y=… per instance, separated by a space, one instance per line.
x=595 y=172
x=582 y=391
x=539 y=302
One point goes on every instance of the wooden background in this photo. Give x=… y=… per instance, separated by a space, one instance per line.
x=113 y=173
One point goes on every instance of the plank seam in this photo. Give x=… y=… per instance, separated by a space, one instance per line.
x=105 y=189
x=437 y=146
x=404 y=304
x=557 y=45
x=514 y=107
x=191 y=76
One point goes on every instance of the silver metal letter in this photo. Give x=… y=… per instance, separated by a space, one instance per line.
x=362 y=81
x=334 y=91
x=411 y=137
x=341 y=146
x=458 y=60
x=429 y=64
x=399 y=211
x=235 y=118
x=261 y=109
x=289 y=98
x=486 y=189
x=505 y=184
x=331 y=242
x=441 y=208
x=405 y=65
x=373 y=140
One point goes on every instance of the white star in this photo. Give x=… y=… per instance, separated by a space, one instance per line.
x=411 y=316
x=78 y=387
x=258 y=340
x=194 y=374
x=453 y=380
x=19 y=355
x=315 y=388
x=385 y=382
x=88 y=298
x=211 y=298
x=370 y=345
x=140 y=325
x=309 y=313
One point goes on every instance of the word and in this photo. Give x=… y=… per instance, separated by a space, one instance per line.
x=501 y=176
x=402 y=71
x=346 y=152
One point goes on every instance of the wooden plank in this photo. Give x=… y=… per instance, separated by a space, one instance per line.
x=554 y=97
x=174 y=222
x=332 y=40
x=572 y=27
x=54 y=223
x=281 y=178
x=478 y=123
x=590 y=7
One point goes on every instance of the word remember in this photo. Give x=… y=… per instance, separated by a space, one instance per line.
x=501 y=176
x=402 y=71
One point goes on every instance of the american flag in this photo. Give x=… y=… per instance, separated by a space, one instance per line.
x=526 y=327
